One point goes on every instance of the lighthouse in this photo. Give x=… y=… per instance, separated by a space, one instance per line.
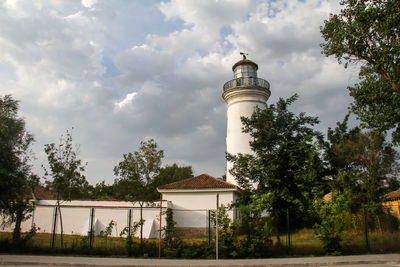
x=242 y=95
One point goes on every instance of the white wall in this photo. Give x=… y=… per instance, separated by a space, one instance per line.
x=191 y=208
x=76 y=216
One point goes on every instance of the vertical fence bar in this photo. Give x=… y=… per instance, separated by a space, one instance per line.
x=367 y=247
x=141 y=229
x=159 y=237
x=54 y=228
x=216 y=229
x=289 y=241
x=209 y=227
x=91 y=228
x=129 y=231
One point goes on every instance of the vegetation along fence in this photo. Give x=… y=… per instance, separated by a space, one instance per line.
x=116 y=231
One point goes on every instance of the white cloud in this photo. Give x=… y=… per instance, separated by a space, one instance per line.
x=55 y=54
x=89 y=3
x=127 y=100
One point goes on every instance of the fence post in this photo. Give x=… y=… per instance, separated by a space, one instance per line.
x=209 y=227
x=366 y=229
x=159 y=237
x=129 y=231
x=141 y=229
x=216 y=229
x=91 y=228
x=289 y=241
x=53 y=236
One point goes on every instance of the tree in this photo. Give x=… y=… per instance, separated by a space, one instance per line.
x=362 y=168
x=362 y=163
x=64 y=175
x=136 y=173
x=101 y=190
x=170 y=174
x=285 y=170
x=16 y=178
x=335 y=137
x=367 y=32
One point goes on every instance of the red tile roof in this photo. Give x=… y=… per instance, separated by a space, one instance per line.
x=395 y=195
x=203 y=181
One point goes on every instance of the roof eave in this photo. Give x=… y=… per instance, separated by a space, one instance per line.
x=199 y=190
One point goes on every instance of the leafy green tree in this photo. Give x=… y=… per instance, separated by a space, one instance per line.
x=362 y=168
x=372 y=163
x=169 y=174
x=101 y=190
x=124 y=187
x=285 y=170
x=335 y=137
x=16 y=178
x=136 y=172
x=362 y=163
x=367 y=32
x=64 y=174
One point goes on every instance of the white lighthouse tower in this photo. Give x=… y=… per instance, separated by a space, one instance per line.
x=242 y=94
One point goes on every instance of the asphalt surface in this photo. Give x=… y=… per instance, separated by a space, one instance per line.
x=388 y=260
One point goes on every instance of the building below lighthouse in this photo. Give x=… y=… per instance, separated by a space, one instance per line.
x=242 y=94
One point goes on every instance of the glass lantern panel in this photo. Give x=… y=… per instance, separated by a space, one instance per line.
x=252 y=72
x=238 y=72
x=245 y=71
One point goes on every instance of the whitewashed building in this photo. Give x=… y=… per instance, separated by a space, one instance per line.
x=192 y=200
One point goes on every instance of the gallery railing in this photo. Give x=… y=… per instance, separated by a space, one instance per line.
x=246 y=81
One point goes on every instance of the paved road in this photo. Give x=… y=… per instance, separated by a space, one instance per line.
x=388 y=260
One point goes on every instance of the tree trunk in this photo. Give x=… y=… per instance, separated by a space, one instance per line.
x=278 y=237
x=17 y=227
x=379 y=223
x=61 y=229
x=61 y=224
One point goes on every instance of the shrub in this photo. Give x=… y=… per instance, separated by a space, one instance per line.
x=228 y=244
x=169 y=227
x=331 y=229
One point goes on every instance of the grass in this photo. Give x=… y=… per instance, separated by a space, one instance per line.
x=75 y=244
x=304 y=243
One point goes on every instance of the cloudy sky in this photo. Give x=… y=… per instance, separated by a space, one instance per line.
x=123 y=71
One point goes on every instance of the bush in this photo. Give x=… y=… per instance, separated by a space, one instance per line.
x=189 y=250
x=331 y=229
